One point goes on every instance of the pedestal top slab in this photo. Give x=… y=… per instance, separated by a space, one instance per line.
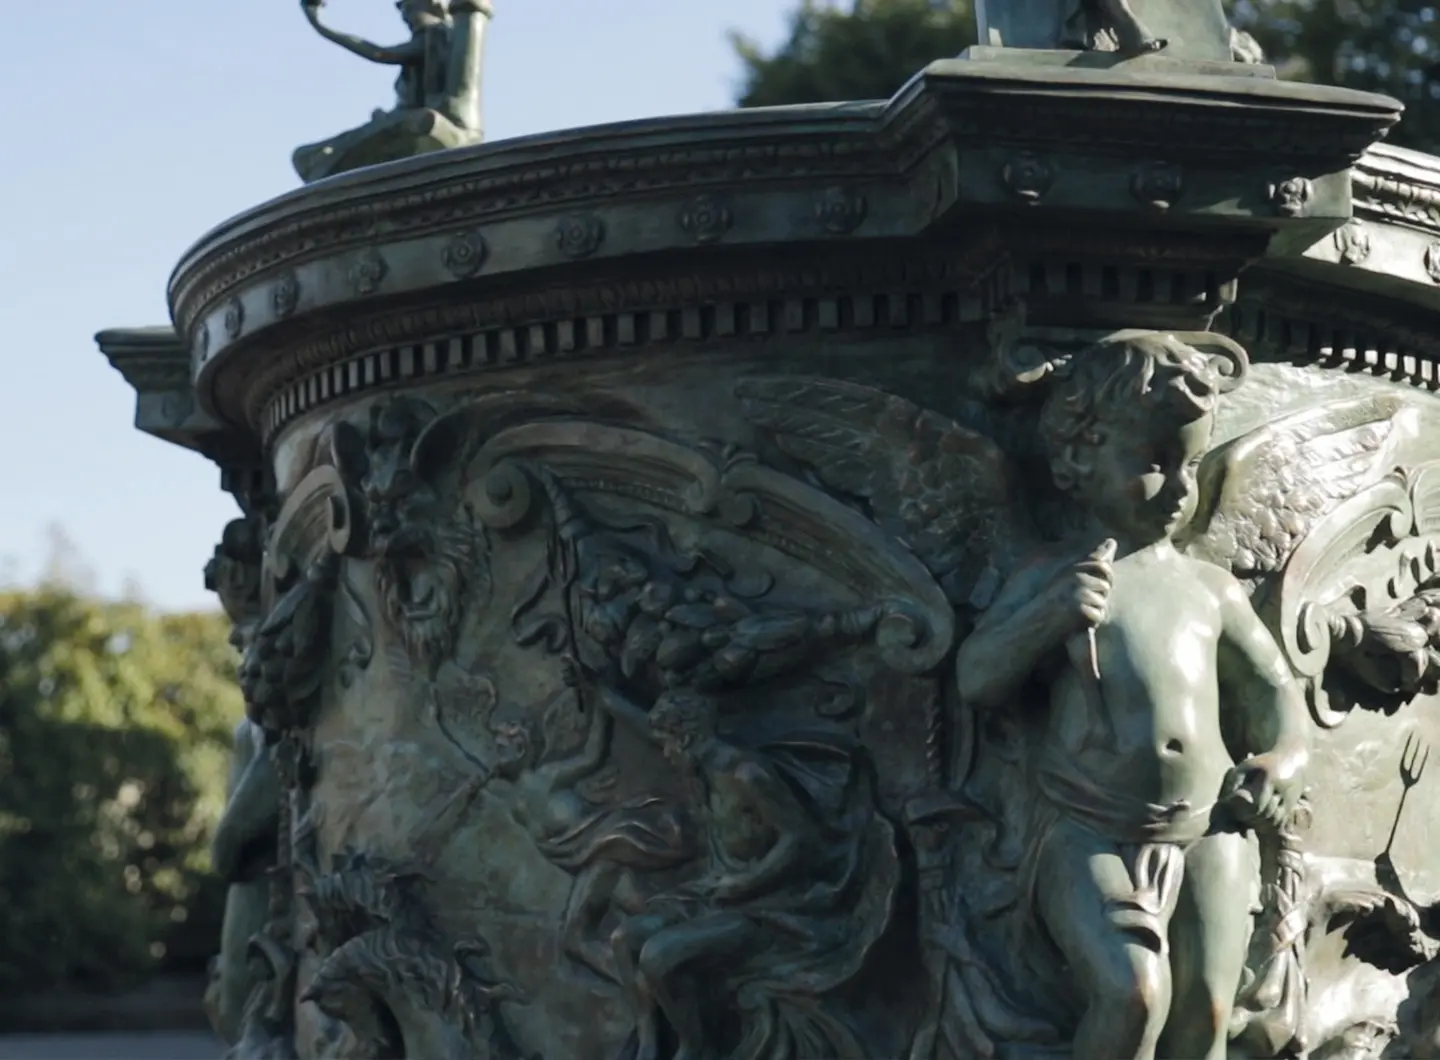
x=966 y=150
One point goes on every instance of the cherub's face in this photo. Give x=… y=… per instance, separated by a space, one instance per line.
x=682 y=723
x=515 y=749
x=1142 y=475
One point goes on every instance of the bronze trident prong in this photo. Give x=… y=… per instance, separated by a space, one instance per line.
x=1412 y=767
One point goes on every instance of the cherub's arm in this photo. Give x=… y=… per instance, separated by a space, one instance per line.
x=1020 y=628
x=252 y=812
x=792 y=826
x=617 y=706
x=571 y=771
x=1257 y=678
x=410 y=52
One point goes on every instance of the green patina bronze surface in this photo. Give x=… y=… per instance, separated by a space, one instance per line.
x=955 y=576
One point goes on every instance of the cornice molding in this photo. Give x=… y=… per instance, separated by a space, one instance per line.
x=1397 y=184
x=341 y=265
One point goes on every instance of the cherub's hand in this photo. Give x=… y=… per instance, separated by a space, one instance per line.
x=570 y=671
x=1082 y=592
x=1263 y=789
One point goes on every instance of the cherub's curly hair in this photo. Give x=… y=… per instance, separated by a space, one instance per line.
x=1108 y=385
x=681 y=715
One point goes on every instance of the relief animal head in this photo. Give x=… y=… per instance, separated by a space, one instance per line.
x=427 y=553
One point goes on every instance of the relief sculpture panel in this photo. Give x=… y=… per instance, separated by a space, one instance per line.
x=1073 y=715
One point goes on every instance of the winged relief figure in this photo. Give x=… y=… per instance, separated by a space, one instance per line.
x=1126 y=432
x=797 y=872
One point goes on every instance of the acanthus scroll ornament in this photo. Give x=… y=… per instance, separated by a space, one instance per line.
x=912 y=623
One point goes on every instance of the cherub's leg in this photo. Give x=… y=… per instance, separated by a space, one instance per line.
x=1122 y=974
x=672 y=953
x=627 y=943
x=589 y=900
x=1209 y=936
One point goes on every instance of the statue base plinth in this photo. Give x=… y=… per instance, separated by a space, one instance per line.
x=388 y=137
x=1148 y=65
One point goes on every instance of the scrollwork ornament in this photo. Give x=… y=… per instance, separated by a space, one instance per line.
x=367 y=272
x=201 y=341
x=579 y=236
x=1291 y=197
x=285 y=294
x=234 y=318
x=840 y=210
x=1158 y=185
x=1432 y=262
x=1028 y=177
x=707 y=218
x=464 y=255
x=1352 y=243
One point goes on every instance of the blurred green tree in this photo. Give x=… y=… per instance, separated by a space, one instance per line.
x=870 y=48
x=115 y=729
x=866 y=52
x=1386 y=46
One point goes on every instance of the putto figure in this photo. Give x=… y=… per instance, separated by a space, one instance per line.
x=1137 y=862
x=437 y=95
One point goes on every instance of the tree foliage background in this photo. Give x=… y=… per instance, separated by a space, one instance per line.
x=115 y=729
x=866 y=49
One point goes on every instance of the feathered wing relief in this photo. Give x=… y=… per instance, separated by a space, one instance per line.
x=733 y=619
x=1329 y=514
x=949 y=495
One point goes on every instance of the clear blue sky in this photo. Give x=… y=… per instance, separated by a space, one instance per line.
x=131 y=128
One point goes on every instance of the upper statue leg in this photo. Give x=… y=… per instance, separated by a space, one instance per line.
x=1210 y=936
x=1087 y=896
